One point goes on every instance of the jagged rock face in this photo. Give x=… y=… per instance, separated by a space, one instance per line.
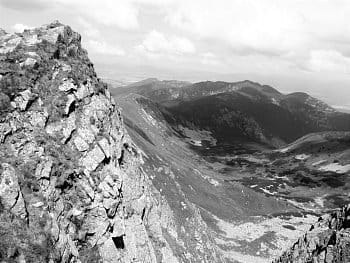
x=327 y=241
x=70 y=185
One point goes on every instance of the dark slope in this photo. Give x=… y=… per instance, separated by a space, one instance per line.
x=241 y=111
x=242 y=198
x=186 y=180
x=148 y=126
x=319 y=113
x=323 y=142
x=186 y=90
x=232 y=116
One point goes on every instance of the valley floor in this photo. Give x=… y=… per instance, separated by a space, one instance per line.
x=255 y=203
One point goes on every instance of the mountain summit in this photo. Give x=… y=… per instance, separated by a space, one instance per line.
x=71 y=189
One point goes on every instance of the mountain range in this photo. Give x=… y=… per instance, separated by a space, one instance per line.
x=240 y=111
x=162 y=171
x=266 y=164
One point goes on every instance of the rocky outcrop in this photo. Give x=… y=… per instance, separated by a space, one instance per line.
x=327 y=241
x=71 y=189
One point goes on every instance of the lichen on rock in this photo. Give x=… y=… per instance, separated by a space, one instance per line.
x=71 y=189
x=327 y=241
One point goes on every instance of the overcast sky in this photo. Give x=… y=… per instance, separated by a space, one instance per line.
x=294 y=45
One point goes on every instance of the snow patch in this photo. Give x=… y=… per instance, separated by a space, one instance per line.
x=267 y=191
x=284 y=150
x=302 y=157
x=319 y=162
x=335 y=167
x=196 y=137
x=196 y=143
x=274 y=101
x=213 y=182
x=320 y=201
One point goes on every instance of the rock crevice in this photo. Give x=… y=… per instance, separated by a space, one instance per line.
x=327 y=241
x=70 y=185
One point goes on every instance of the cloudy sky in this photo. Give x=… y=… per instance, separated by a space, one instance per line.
x=294 y=45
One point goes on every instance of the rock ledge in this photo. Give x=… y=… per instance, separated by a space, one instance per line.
x=71 y=189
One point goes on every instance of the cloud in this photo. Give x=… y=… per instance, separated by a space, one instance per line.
x=268 y=27
x=19 y=28
x=328 y=61
x=245 y=26
x=88 y=29
x=158 y=43
x=25 y=4
x=255 y=36
x=208 y=58
x=101 y=47
x=271 y=27
x=121 y=13
x=342 y=108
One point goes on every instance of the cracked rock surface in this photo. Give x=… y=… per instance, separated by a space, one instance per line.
x=71 y=189
x=327 y=241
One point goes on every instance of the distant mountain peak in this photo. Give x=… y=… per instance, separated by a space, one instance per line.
x=150 y=80
x=268 y=88
x=315 y=103
x=144 y=82
x=299 y=94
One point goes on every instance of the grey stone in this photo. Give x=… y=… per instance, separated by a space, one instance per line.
x=66 y=188
x=67 y=85
x=92 y=159
x=43 y=169
x=81 y=144
x=68 y=127
x=70 y=102
x=23 y=99
x=29 y=62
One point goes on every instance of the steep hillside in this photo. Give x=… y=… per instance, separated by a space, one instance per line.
x=182 y=90
x=71 y=186
x=232 y=117
x=230 y=196
x=254 y=203
x=240 y=112
x=322 y=142
x=153 y=88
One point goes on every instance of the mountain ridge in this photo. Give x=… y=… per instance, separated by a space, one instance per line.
x=238 y=84
x=260 y=111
